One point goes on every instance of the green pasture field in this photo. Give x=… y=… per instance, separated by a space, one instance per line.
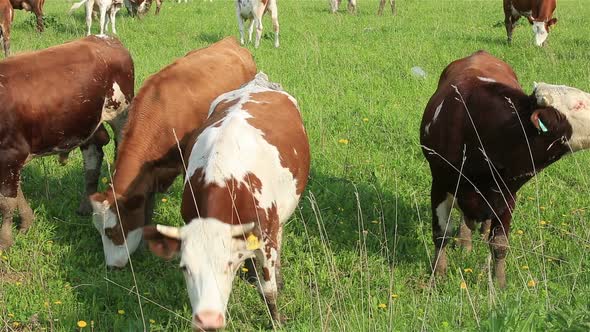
x=356 y=254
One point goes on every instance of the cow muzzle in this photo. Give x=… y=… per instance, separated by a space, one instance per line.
x=208 y=321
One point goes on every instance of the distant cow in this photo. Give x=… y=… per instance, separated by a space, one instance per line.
x=538 y=12
x=335 y=4
x=172 y=103
x=104 y=7
x=247 y=169
x=35 y=6
x=253 y=10
x=6 y=17
x=479 y=133
x=84 y=83
x=141 y=7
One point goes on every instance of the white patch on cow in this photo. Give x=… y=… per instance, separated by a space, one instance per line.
x=486 y=79
x=443 y=212
x=115 y=255
x=427 y=129
x=540 y=32
x=294 y=151
x=210 y=257
x=574 y=104
x=437 y=111
x=142 y=8
x=233 y=148
x=111 y=112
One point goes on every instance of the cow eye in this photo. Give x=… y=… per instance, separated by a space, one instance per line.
x=185 y=269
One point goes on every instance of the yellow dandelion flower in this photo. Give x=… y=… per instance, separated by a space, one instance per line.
x=252 y=242
x=49 y=242
x=525 y=267
x=520 y=232
x=542 y=207
x=531 y=283
x=104 y=180
x=164 y=200
x=57 y=302
x=121 y=312
x=46 y=303
x=382 y=305
x=343 y=141
x=374 y=221
x=244 y=269
x=18 y=283
x=11 y=315
x=468 y=270
x=4 y=257
x=394 y=296
x=550 y=259
x=365 y=119
x=463 y=285
x=15 y=324
x=542 y=222
x=531 y=198
x=152 y=321
x=82 y=324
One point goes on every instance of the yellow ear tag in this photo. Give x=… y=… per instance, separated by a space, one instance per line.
x=252 y=242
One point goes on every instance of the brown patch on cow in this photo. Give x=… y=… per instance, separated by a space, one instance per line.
x=266 y=274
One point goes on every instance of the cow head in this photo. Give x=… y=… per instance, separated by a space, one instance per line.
x=210 y=254
x=541 y=30
x=573 y=104
x=118 y=241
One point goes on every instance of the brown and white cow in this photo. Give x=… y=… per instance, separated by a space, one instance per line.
x=172 y=103
x=35 y=6
x=84 y=83
x=247 y=169
x=484 y=138
x=335 y=4
x=141 y=7
x=6 y=17
x=254 y=10
x=108 y=12
x=538 y=12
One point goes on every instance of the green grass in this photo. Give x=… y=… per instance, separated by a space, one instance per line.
x=362 y=232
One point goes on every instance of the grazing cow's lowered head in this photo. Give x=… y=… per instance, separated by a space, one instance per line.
x=247 y=169
x=539 y=13
x=541 y=29
x=571 y=102
x=118 y=241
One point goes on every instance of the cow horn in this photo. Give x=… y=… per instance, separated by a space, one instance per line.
x=169 y=231
x=546 y=100
x=237 y=230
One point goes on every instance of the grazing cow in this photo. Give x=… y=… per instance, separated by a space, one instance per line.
x=247 y=169
x=484 y=138
x=253 y=10
x=538 y=12
x=170 y=105
x=6 y=17
x=104 y=7
x=141 y=7
x=35 y=6
x=85 y=83
x=335 y=4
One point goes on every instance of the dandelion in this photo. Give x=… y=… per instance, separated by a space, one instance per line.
x=57 y=302
x=365 y=119
x=468 y=270
x=525 y=267
x=49 y=242
x=104 y=180
x=542 y=207
x=394 y=296
x=121 y=312
x=531 y=283
x=4 y=257
x=252 y=242
x=164 y=200
x=542 y=222
x=343 y=141
x=520 y=232
x=11 y=315
x=82 y=324
x=18 y=283
x=15 y=324
x=531 y=198
x=244 y=269
x=46 y=303
x=382 y=305
x=152 y=321
x=375 y=222
x=463 y=285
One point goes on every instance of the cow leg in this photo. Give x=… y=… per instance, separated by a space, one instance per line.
x=103 y=14
x=25 y=211
x=240 y=23
x=38 y=11
x=441 y=203
x=158 y=5
x=335 y=4
x=274 y=14
x=7 y=207
x=258 y=22
x=484 y=229
x=5 y=34
x=113 y=17
x=92 y=155
x=381 y=6
x=499 y=243
x=465 y=233
x=268 y=286
x=251 y=30
x=352 y=6
x=88 y=17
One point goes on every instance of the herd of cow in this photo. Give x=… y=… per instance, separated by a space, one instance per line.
x=242 y=147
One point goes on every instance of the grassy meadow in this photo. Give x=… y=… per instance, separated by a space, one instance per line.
x=356 y=254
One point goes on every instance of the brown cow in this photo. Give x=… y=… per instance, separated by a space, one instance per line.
x=173 y=102
x=35 y=6
x=6 y=17
x=84 y=83
x=538 y=12
x=479 y=133
x=247 y=169
x=141 y=7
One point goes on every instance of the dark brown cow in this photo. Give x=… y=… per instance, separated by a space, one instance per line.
x=247 y=169
x=6 y=17
x=174 y=101
x=538 y=12
x=35 y=6
x=84 y=83
x=141 y=7
x=479 y=133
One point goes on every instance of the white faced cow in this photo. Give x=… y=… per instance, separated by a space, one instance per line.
x=104 y=7
x=247 y=170
x=253 y=10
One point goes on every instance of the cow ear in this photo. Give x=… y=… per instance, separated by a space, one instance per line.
x=547 y=119
x=552 y=21
x=163 y=246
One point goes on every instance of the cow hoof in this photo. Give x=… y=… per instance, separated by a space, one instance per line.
x=85 y=209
